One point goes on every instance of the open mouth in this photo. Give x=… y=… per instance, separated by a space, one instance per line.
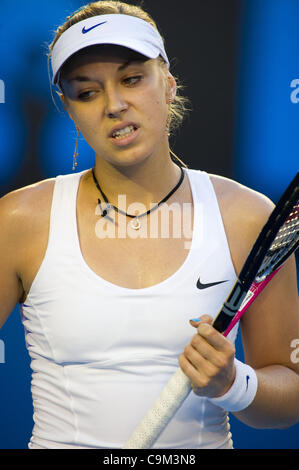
x=124 y=133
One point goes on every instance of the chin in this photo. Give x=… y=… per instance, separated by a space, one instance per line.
x=128 y=158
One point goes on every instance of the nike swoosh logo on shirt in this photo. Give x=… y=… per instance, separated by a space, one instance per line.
x=247 y=380
x=84 y=30
x=202 y=286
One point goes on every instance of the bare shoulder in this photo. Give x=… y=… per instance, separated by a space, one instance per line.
x=27 y=202
x=30 y=192
x=244 y=212
x=24 y=215
x=241 y=199
x=24 y=212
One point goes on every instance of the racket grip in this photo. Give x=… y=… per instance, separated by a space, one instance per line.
x=163 y=410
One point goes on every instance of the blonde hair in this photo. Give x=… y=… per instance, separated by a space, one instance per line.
x=180 y=105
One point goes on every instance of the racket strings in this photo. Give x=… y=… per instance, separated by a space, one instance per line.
x=294 y=213
x=288 y=231
x=285 y=241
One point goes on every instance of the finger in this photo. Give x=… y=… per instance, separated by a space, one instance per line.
x=201 y=346
x=217 y=358
x=202 y=360
x=198 y=377
x=213 y=337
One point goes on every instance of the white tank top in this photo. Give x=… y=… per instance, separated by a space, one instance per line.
x=100 y=353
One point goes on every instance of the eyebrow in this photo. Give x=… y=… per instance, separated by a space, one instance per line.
x=80 y=78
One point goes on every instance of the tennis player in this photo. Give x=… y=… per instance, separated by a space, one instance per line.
x=110 y=304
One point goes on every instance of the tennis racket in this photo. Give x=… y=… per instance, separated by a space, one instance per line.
x=278 y=239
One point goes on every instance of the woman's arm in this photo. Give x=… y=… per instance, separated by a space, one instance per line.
x=11 y=288
x=268 y=332
x=269 y=327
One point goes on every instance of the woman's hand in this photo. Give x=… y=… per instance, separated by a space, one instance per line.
x=208 y=360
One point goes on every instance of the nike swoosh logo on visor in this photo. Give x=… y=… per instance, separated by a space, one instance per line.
x=201 y=286
x=84 y=30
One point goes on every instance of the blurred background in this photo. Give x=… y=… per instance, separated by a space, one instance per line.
x=239 y=62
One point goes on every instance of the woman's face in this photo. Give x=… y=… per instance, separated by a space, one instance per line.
x=112 y=80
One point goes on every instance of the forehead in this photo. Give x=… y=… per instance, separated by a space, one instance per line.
x=101 y=54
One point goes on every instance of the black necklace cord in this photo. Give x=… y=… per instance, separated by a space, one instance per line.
x=105 y=211
x=110 y=206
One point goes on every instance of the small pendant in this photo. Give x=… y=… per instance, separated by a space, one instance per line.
x=135 y=223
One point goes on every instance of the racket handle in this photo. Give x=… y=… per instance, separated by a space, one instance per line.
x=163 y=410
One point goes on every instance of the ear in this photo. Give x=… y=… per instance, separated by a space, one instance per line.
x=172 y=87
x=64 y=103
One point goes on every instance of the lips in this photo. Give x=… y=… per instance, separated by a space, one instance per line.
x=124 y=134
x=122 y=129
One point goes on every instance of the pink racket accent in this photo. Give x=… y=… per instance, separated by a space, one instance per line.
x=253 y=292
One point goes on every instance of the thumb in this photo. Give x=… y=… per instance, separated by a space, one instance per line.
x=203 y=319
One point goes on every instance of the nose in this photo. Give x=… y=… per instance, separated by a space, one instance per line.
x=115 y=102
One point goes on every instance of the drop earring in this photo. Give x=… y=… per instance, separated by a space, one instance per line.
x=76 y=150
x=167 y=129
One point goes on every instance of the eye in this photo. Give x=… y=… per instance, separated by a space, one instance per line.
x=133 y=80
x=85 y=95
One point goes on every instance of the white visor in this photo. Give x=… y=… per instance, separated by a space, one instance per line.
x=121 y=30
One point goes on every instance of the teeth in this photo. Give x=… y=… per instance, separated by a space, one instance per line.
x=123 y=132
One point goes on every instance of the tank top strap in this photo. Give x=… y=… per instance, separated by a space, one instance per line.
x=205 y=196
x=63 y=226
x=203 y=190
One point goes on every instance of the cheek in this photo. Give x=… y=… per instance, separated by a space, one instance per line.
x=88 y=123
x=87 y=120
x=154 y=108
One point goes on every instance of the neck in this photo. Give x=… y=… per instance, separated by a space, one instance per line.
x=146 y=182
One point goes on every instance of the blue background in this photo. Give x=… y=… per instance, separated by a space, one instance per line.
x=264 y=145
